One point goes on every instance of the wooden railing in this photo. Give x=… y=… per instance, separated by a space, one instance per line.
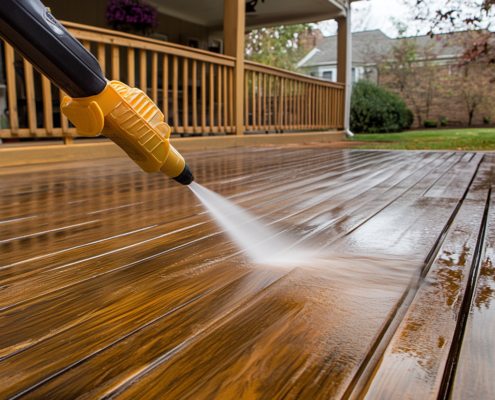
x=280 y=100
x=193 y=88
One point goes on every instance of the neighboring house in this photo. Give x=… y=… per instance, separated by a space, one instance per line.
x=321 y=62
x=452 y=96
x=367 y=48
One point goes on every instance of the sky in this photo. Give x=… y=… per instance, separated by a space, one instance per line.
x=380 y=14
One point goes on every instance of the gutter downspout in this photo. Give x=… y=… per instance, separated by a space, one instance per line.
x=348 y=75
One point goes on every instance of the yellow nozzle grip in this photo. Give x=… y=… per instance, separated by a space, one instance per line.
x=130 y=119
x=174 y=165
x=88 y=120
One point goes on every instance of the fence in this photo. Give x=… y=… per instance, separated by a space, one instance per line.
x=193 y=88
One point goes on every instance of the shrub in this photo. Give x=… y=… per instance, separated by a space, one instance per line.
x=487 y=120
x=408 y=118
x=375 y=109
x=444 y=121
x=430 y=123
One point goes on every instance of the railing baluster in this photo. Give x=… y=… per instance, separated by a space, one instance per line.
x=313 y=107
x=294 y=104
x=231 y=100
x=194 y=84
x=175 y=93
x=324 y=105
x=165 y=88
x=154 y=77
x=131 y=68
x=115 y=63
x=328 y=107
x=143 y=81
x=310 y=98
x=185 y=94
x=212 y=97
x=219 y=98
x=281 y=105
x=225 y=106
x=63 y=119
x=87 y=44
x=332 y=102
x=46 y=86
x=319 y=104
x=284 y=110
x=101 y=57
x=246 y=102
x=203 y=97
x=11 y=88
x=289 y=104
x=298 y=105
x=263 y=103
x=275 y=102
x=308 y=106
x=253 y=99
x=260 y=78
x=30 y=97
x=335 y=108
x=318 y=107
x=271 y=91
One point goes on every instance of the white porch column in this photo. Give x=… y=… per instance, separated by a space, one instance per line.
x=344 y=62
x=234 y=23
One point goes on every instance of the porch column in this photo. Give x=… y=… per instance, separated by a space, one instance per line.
x=344 y=62
x=234 y=23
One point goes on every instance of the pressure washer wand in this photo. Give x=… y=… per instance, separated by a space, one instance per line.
x=94 y=105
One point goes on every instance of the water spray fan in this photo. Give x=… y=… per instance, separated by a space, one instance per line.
x=95 y=106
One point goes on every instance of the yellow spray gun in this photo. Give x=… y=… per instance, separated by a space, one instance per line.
x=94 y=105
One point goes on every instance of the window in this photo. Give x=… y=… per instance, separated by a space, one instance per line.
x=328 y=75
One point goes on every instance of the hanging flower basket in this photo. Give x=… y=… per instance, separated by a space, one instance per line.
x=132 y=16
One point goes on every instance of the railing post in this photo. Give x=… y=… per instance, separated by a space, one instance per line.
x=233 y=37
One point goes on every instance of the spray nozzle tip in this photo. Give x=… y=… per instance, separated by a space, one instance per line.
x=186 y=176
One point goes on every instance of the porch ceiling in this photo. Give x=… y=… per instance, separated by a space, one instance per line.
x=270 y=13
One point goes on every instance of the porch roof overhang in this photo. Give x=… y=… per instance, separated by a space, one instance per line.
x=270 y=13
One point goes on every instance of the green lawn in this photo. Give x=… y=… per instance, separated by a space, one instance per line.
x=449 y=139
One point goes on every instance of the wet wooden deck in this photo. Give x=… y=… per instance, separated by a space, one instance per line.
x=116 y=284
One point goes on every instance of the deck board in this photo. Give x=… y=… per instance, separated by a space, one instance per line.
x=116 y=283
x=476 y=364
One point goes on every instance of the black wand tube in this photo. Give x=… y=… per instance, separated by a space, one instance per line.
x=30 y=28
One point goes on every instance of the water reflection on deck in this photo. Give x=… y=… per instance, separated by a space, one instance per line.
x=117 y=284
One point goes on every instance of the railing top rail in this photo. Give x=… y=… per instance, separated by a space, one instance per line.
x=85 y=32
x=257 y=67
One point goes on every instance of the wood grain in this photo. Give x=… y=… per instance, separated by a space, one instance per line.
x=117 y=284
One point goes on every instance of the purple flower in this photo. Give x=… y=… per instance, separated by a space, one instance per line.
x=131 y=15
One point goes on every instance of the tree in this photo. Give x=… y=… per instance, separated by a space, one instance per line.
x=413 y=73
x=282 y=46
x=461 y=15
x=454 y=15
x=473 y=95
x=475 y=71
